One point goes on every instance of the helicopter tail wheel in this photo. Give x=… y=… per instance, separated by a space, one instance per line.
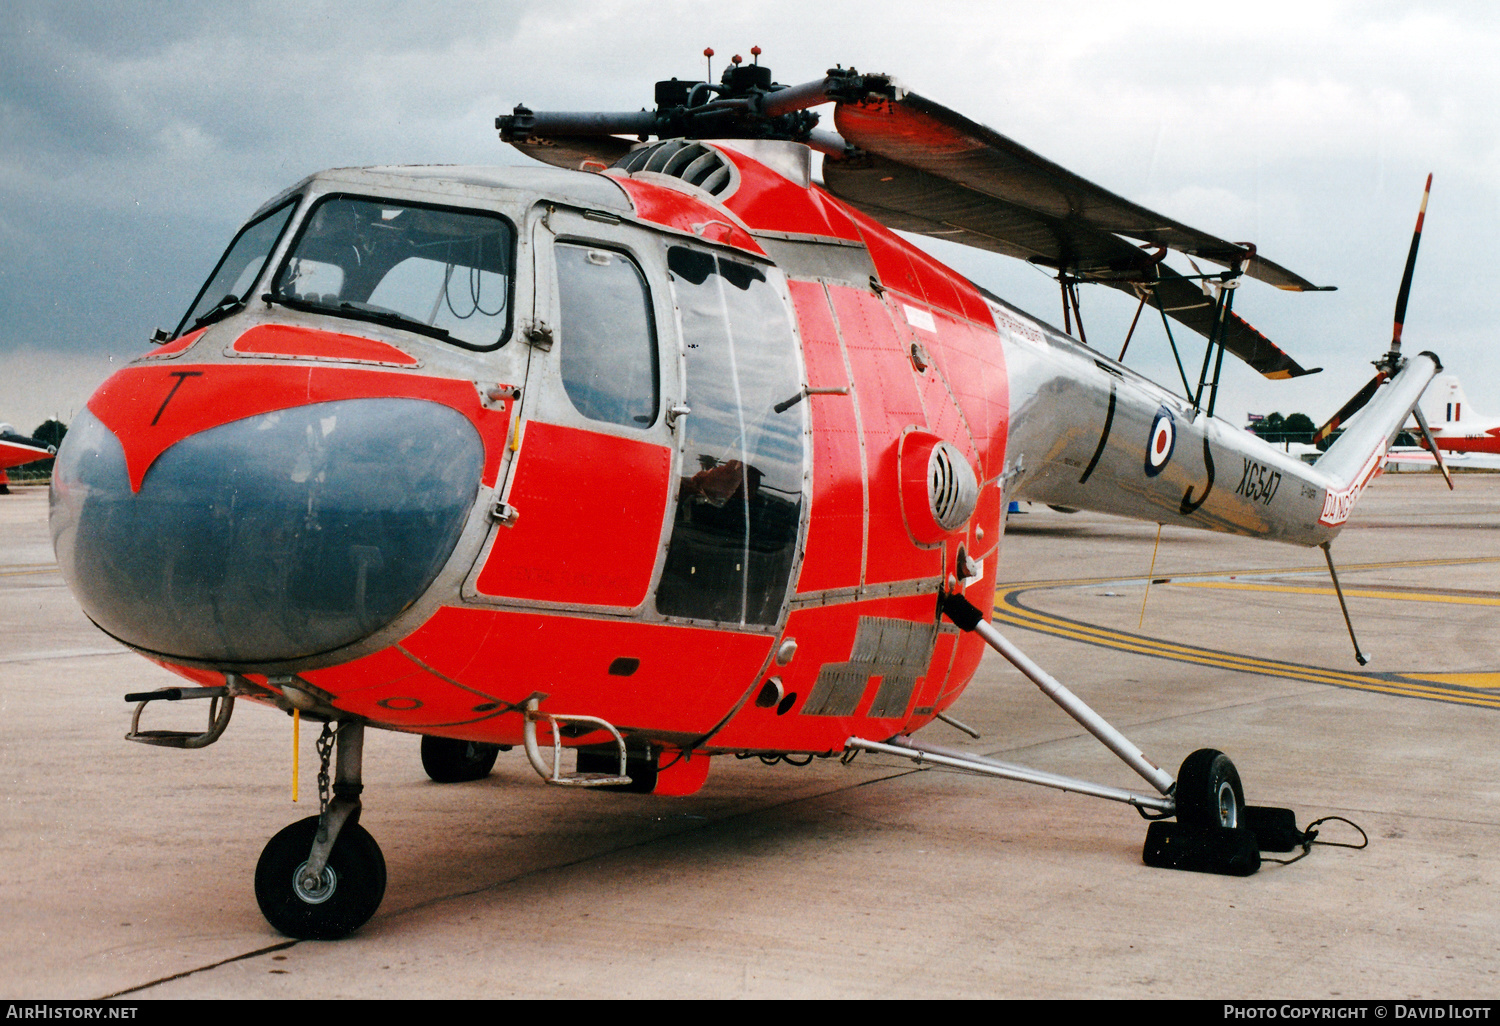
x=1212 y=833
x=340 y=902
x=1209 y=792
x=451 y=761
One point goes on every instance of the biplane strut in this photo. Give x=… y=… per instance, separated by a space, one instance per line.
x=1215 y=832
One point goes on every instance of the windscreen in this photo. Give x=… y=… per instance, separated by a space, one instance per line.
x=229 y=286
x=438 y=271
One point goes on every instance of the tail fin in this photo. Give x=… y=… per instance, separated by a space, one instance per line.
x=1444 y=402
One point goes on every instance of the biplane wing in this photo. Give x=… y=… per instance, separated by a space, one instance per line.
x=926 y=169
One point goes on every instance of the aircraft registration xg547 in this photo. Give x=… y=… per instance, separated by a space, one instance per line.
x=666 y=453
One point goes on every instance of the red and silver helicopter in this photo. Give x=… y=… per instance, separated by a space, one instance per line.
x=662 y=453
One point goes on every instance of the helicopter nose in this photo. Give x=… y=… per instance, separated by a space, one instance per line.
x=269 y=539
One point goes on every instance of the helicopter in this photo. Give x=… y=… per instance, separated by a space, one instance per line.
x=662 y=451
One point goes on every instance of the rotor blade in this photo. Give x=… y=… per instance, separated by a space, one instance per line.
x=574 y=152
x=1184 y=300
x=1350 y=408
x=1437 y=453
x=912 y=200
x=913 y=131
x=1411 y=263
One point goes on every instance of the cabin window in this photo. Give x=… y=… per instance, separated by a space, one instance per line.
x=739 y=507
x=433 y=270
x=229 y=286
x=607 y=337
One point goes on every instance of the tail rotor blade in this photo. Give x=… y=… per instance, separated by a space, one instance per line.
x=1350 y=408
x=1411 y=263
x=1437 y=453
x=1390 y=363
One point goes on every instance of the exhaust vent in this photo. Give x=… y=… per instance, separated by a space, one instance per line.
x=691 y=162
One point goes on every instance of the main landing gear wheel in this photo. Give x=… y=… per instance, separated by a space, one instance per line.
x=1209 y=792
x=450 y=761
x=346 y=896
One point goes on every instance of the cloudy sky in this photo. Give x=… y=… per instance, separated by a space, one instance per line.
x=135 y=138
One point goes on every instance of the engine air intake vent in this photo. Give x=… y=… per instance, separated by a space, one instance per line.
x=692 y=162
x=952 y=487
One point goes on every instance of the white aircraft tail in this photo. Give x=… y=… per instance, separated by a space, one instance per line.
x=1444 y=403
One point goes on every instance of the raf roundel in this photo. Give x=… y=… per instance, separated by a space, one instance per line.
x=1161 y=442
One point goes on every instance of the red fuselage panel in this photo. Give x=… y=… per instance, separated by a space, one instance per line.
x=15 y=455
x=835 y=531
x=151 y=407
x=681 y=680
x=591 y=507
x=674 y=209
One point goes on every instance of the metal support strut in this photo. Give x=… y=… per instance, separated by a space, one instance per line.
x=967 y=617
x=1359 y=656
x=348 y=782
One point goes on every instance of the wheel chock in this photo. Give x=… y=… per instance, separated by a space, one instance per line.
x=1275 y=829
x=1228 y=851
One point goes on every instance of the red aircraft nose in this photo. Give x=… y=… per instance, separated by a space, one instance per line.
x=273 y=538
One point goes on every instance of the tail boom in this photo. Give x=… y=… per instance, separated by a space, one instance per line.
x=1089 y=434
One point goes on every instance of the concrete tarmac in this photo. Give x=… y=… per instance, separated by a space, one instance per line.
x=127 y=870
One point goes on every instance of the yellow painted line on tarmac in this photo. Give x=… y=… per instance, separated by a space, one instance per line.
x=1272 y=571
x=1403 y=596
x=19 y=571
x=1462 y=689
x=1468 y=680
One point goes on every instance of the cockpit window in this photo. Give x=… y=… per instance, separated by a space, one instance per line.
x=608 y=340
x=434 y=270
x=238 y=269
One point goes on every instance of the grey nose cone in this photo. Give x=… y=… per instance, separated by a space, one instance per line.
x=269 y=539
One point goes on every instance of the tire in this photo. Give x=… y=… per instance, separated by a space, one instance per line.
x=355 y=873
x=1209 y=792
x=450 y=761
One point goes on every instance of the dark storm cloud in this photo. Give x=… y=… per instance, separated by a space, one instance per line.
x=138 y=136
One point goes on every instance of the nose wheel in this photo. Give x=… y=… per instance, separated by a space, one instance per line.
x=323 y=877
x=330 y=904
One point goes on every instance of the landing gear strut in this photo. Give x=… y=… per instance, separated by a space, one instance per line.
x=323 y=877
x=1215 y=832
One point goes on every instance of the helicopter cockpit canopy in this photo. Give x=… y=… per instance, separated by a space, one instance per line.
x=435 y=270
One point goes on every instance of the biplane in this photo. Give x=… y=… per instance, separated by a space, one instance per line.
x=664 y=451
